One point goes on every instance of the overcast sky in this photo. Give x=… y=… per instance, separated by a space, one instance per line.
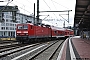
x=27 y=7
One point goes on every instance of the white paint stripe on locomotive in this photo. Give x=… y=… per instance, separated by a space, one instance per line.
x=61 y=51
x=72 y=54
x=58 y=36
x=25 y=31
x=27 y=52
x=18 y=31
x=22 y=32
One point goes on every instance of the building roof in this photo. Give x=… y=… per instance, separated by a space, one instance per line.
x=82 y=14
x=8 y=8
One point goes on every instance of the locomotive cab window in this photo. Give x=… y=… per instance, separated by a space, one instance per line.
x=20 y=27
x=25 y=27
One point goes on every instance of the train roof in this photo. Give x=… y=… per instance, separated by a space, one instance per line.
x=57 y=28
x=52 y=27
x=42 y=25
x=25 y=24
x=69 y=29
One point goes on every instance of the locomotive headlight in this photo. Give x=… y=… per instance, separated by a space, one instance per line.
x=17 y=34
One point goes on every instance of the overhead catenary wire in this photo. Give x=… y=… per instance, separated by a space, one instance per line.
x=22 y=8
x=63 y=18
x=55 y=7
x=29 y=2
x=60 y=4
x=24 y=4
x=47 y=4
x=32 y=3
x=49 y=8
x=53 y=4
x=31 y=6
x=65 y=7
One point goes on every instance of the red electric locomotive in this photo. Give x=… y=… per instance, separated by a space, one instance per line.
x=31 y=33
x=34 y=33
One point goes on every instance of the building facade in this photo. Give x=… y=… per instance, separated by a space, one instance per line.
x=7 y=27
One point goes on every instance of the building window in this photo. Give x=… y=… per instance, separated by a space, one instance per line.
x=10 y=20
x=13 y=24
x=5 y=12
x=10 y=12
x=7 y=16
x=11 y=17
x=7 y=24
x=2 y=24
x=15 y=28
x=6 y=20
x=11 y=28
x=3 y=28
x=4 y=33
x=10 y=24
x=7 y=28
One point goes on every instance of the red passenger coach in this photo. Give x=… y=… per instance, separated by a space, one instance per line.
x=69 y=32
x=57 y=32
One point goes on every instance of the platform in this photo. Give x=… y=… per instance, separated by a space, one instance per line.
x=75 y=48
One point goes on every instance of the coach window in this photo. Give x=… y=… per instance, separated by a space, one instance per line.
x=25 y=27
x=65 y=32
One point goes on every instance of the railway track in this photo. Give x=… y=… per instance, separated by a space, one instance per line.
x=10 y=47
x=5 y=52
x=49 y=53
x=30 y=52
x=6 y=41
